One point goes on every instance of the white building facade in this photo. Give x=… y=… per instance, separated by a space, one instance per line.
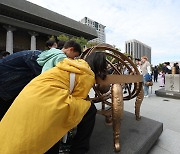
x=100 y=29
x=137 y=49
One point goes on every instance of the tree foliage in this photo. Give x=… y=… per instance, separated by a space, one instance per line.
x=126 y=54
x=63 y=37
x=91 y=44
x=52 y=37
x=81 y=40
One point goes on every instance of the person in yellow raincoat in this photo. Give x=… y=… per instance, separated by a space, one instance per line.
x=45 y=111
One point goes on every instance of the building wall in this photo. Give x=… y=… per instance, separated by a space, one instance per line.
x=2 y=38
x=100 y=29
x=25 y=14
x=41 y=40
x=22 y=39
x=137 y=49
x=24 y=26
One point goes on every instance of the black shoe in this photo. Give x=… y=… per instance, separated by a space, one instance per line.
x=64 y=148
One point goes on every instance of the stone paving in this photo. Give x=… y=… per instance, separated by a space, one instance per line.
x=167 y=111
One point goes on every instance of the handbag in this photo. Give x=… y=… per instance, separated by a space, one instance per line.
x=149 y=83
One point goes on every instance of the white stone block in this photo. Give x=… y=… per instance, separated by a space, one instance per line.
x=172 y=82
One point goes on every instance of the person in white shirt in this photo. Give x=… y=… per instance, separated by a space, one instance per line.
x=146 y=69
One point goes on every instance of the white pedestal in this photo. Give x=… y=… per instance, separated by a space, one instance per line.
x=172 y=82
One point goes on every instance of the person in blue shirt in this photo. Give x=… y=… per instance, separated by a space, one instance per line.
x=16 y=71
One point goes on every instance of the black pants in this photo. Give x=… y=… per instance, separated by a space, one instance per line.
x=4 y=106
x=54 y=149
x=80 y=143
x=155 y=78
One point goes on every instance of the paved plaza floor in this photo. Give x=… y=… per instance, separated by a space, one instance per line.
x=167 y=111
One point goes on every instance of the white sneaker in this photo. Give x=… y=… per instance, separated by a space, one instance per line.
x=146 y=96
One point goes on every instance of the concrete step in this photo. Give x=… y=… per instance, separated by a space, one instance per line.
x=169 y=94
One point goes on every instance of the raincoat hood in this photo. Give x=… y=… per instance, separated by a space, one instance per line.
x=78 y=66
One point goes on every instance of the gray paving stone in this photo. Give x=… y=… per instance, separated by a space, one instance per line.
x=170 y=140
x=158 y=150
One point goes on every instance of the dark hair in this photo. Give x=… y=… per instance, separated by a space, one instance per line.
x=4 y=54
x=97 y=62
x=60 y=44
x=50 y=43
x=75 y=45
x=137 y=59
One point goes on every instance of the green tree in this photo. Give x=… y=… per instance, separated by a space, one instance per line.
x=63 y=37
x=81 y=40
x=126 y=54
x=52 y=37
x=91 y=44
x=160 y=66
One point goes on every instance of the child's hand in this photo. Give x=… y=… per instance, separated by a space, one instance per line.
x=88 y=98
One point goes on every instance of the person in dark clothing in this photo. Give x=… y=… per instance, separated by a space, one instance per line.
x=16 y=71
x=80 y=142
x=177 y=68
x=164 y=67
x=168 y=68
x=155 y=73
x=53 y=44
x=60 y=44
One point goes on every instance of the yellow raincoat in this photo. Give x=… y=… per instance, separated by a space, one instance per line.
x=45 y=110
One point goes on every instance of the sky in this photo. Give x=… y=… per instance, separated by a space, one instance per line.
x=155 y=23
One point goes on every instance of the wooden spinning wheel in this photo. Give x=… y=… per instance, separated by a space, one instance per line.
x=122 y=75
